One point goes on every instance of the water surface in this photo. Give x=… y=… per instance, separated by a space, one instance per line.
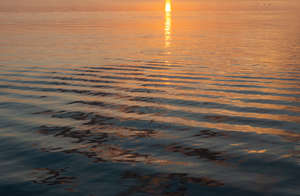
x=145 y=103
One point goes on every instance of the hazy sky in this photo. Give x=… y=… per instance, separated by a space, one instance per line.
x=52 y=5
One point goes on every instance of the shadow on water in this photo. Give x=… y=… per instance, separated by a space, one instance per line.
x=51 y=177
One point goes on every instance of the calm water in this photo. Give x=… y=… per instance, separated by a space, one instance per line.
x=142 y=103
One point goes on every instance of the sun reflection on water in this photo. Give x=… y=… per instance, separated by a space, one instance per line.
x=168 y=6
x=168 y=23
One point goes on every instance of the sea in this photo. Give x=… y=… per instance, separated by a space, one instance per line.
x=146 y=103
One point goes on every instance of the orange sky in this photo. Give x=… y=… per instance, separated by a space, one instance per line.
x=93 y=5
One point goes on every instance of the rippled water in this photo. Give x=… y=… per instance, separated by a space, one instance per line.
x=140 y=103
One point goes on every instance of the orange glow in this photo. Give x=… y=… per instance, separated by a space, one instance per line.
x=168 y=29
x=256 y=151
x=168 y=21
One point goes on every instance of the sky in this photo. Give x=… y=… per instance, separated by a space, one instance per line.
x=93 y=5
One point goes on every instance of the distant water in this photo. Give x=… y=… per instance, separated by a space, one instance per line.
x=141 y=103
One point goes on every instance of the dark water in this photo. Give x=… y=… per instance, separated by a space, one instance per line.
x=129 y=103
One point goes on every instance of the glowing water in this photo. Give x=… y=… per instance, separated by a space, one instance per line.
x=89 y=105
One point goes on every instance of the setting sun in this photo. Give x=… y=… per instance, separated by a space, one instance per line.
x=168 y=7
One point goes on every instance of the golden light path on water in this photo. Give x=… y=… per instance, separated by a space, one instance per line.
x=168 y=22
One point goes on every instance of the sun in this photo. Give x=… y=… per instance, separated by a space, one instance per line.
x=168 y=7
